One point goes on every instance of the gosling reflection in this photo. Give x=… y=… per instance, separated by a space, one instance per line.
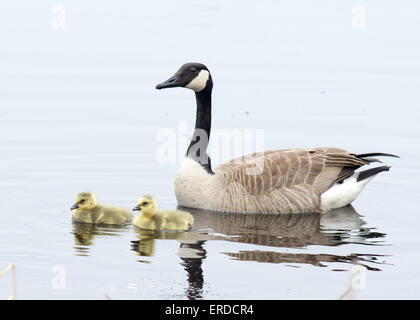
x=338 y=227
x=85 y=233
x=145 y=245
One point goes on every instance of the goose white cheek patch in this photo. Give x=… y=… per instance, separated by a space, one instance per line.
x=199 y=82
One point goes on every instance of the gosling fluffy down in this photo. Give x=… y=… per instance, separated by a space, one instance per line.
x=87 y=210
x=161 y=220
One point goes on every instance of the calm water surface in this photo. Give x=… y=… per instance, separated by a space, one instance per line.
x=78 y=111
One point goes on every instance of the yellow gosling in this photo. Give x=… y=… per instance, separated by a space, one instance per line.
x=87 y=210
x=153 y=219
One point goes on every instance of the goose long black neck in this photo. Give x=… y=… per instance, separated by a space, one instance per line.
x=197 y=150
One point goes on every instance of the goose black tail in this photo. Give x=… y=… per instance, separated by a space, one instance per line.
x=371 y=172
x=368 y=156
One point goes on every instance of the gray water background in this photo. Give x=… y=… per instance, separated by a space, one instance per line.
x=78 y=111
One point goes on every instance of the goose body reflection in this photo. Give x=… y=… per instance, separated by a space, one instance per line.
x=338 y=227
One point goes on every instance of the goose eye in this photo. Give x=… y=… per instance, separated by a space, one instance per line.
x=193 y=70
x=82 y=201
x=145 y=203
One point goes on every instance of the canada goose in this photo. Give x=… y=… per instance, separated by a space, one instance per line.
x=289 y=181
x=153 y=219
x=87 y=210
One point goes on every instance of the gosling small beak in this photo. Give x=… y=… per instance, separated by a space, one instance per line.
x=75 y=206
x=137 y=208
x=172 y=82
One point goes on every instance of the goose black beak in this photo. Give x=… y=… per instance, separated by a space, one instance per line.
x=75 y=206
x=137 y=208
x=172 y=82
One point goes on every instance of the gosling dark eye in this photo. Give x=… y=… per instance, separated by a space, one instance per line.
x=193 y=70
x=145 y=203
x=82 y=201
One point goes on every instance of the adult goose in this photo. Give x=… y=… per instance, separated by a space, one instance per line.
x=282 y=181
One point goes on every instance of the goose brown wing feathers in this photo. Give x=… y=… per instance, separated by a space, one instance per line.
x=292 y=178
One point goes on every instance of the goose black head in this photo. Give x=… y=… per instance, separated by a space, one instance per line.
x=194 y=76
